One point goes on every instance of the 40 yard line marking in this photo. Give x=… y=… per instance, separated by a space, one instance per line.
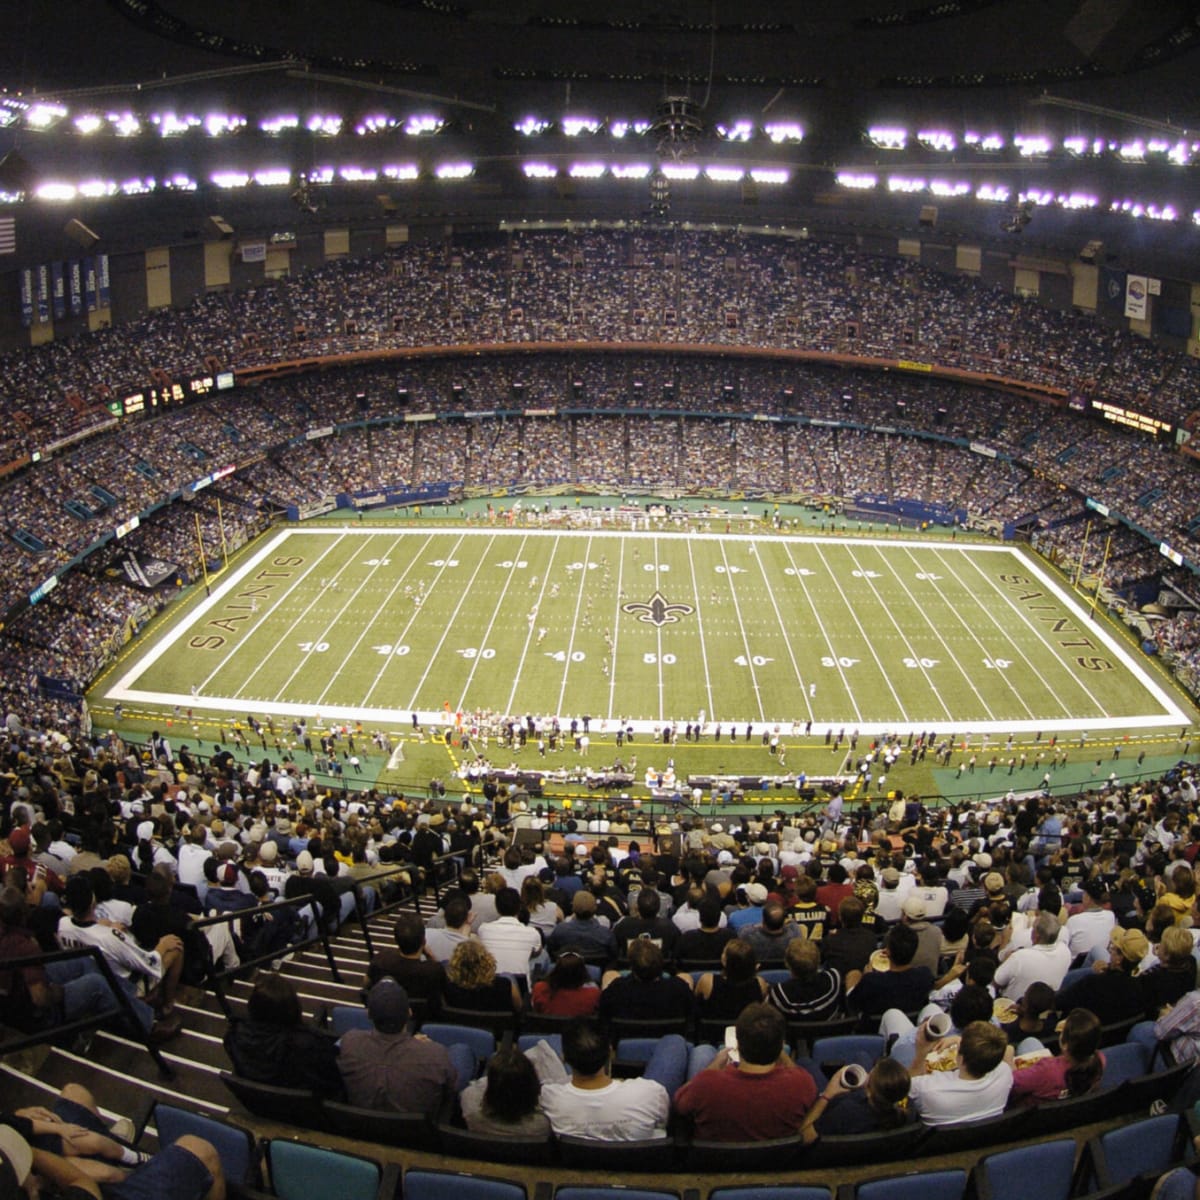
x=711 y=710
x=787 y=641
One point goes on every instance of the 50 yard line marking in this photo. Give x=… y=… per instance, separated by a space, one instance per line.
x=583 y=583
x=541 y=597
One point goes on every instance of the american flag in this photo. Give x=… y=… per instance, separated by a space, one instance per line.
x=8 y=235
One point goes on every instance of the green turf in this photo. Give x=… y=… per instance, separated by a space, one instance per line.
x=758 y=629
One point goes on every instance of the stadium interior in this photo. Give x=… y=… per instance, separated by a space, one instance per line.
x=917 y=265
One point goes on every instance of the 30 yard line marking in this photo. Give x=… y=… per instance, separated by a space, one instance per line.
x=583 y=583
x=452 y=622
x=816 y=615
x=399 y=641
x=849 y=608
x=914 y=654
x=487 y=633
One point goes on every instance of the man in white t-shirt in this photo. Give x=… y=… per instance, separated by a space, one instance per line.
x=1047 y=960
x=977 y=1088
x=513 y=945
x=594 y=1105
x=1089 y=929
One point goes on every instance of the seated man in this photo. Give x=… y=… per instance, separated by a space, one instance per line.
x=188 y=1169
x=160 y=967
x=594 y=1105
x=762 y=1095
x=410 y=964
x=901 y=985
x=978 y=1088
x=813 y=992
x=583 y=931
x=647 y=993
x=390 y=1069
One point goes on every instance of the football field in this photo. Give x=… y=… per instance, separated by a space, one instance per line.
x=374 y=625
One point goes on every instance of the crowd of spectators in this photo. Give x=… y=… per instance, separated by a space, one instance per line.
x=990 y=945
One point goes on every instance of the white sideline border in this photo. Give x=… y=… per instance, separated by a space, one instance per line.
x=124 y=691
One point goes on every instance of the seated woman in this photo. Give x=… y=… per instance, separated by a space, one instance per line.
x=543 y=912
x=1174 y=975
x=472 y=982
x=722 y=997
x=567 y=991
x=507 y=1100
x=1075 y=1071
x=273 y=1044
x=1035 y=1015
x=877 y=1106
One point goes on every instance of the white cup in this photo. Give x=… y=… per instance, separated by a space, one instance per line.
x=939 y=1025
x=853 y=1076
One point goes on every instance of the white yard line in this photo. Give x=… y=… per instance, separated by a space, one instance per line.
x=787 y=641
x=711 y=711
x=937 y=633
x=330 y=625
x=849 y=606
x=914 y=655
x=487 y=633
x=529 y=635
x=658 y=637
x=833 y=653
x=616 y=633
x=745 y=641
x=452 y=623
x=382 y=609
x=412 y=616
x=583 y=587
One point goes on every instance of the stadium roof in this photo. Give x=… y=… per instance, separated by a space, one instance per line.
x=1106 y=72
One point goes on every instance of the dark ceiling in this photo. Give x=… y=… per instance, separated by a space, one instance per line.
x=835 y=67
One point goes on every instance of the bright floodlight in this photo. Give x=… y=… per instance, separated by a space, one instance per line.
x=630 y=170
x=903 y=183
x=279 y=124
x=1078 y=201
x=87 y=123
x=888 y=137
x=587 y=170
x=273 y=177
x=180 y=183
x=1076 y=145
x=138 y=187
x=574 y=126
x=460 y=170
x=324 y=125
x=230 y=179
x=989 y=143
x=404 y=172
x=56 y=191
x=854 y=179
x=937 y=139
x=375 y=123
x=531 y=126
x=719 y=174
x=784 y=131
x=320 y=175
x=358 y=174
x=94 y=189
x=1031 y=145
x=770 y=175
x=739 y=131
x=992 y=192
x=1134 y=151
x=44 y=115
x=680 y=171
x=948 y=189
x=539 y=170
x=172 y=125
x=219 y=124
x=423 y=123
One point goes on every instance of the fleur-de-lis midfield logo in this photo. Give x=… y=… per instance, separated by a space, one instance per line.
x=658 y=610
